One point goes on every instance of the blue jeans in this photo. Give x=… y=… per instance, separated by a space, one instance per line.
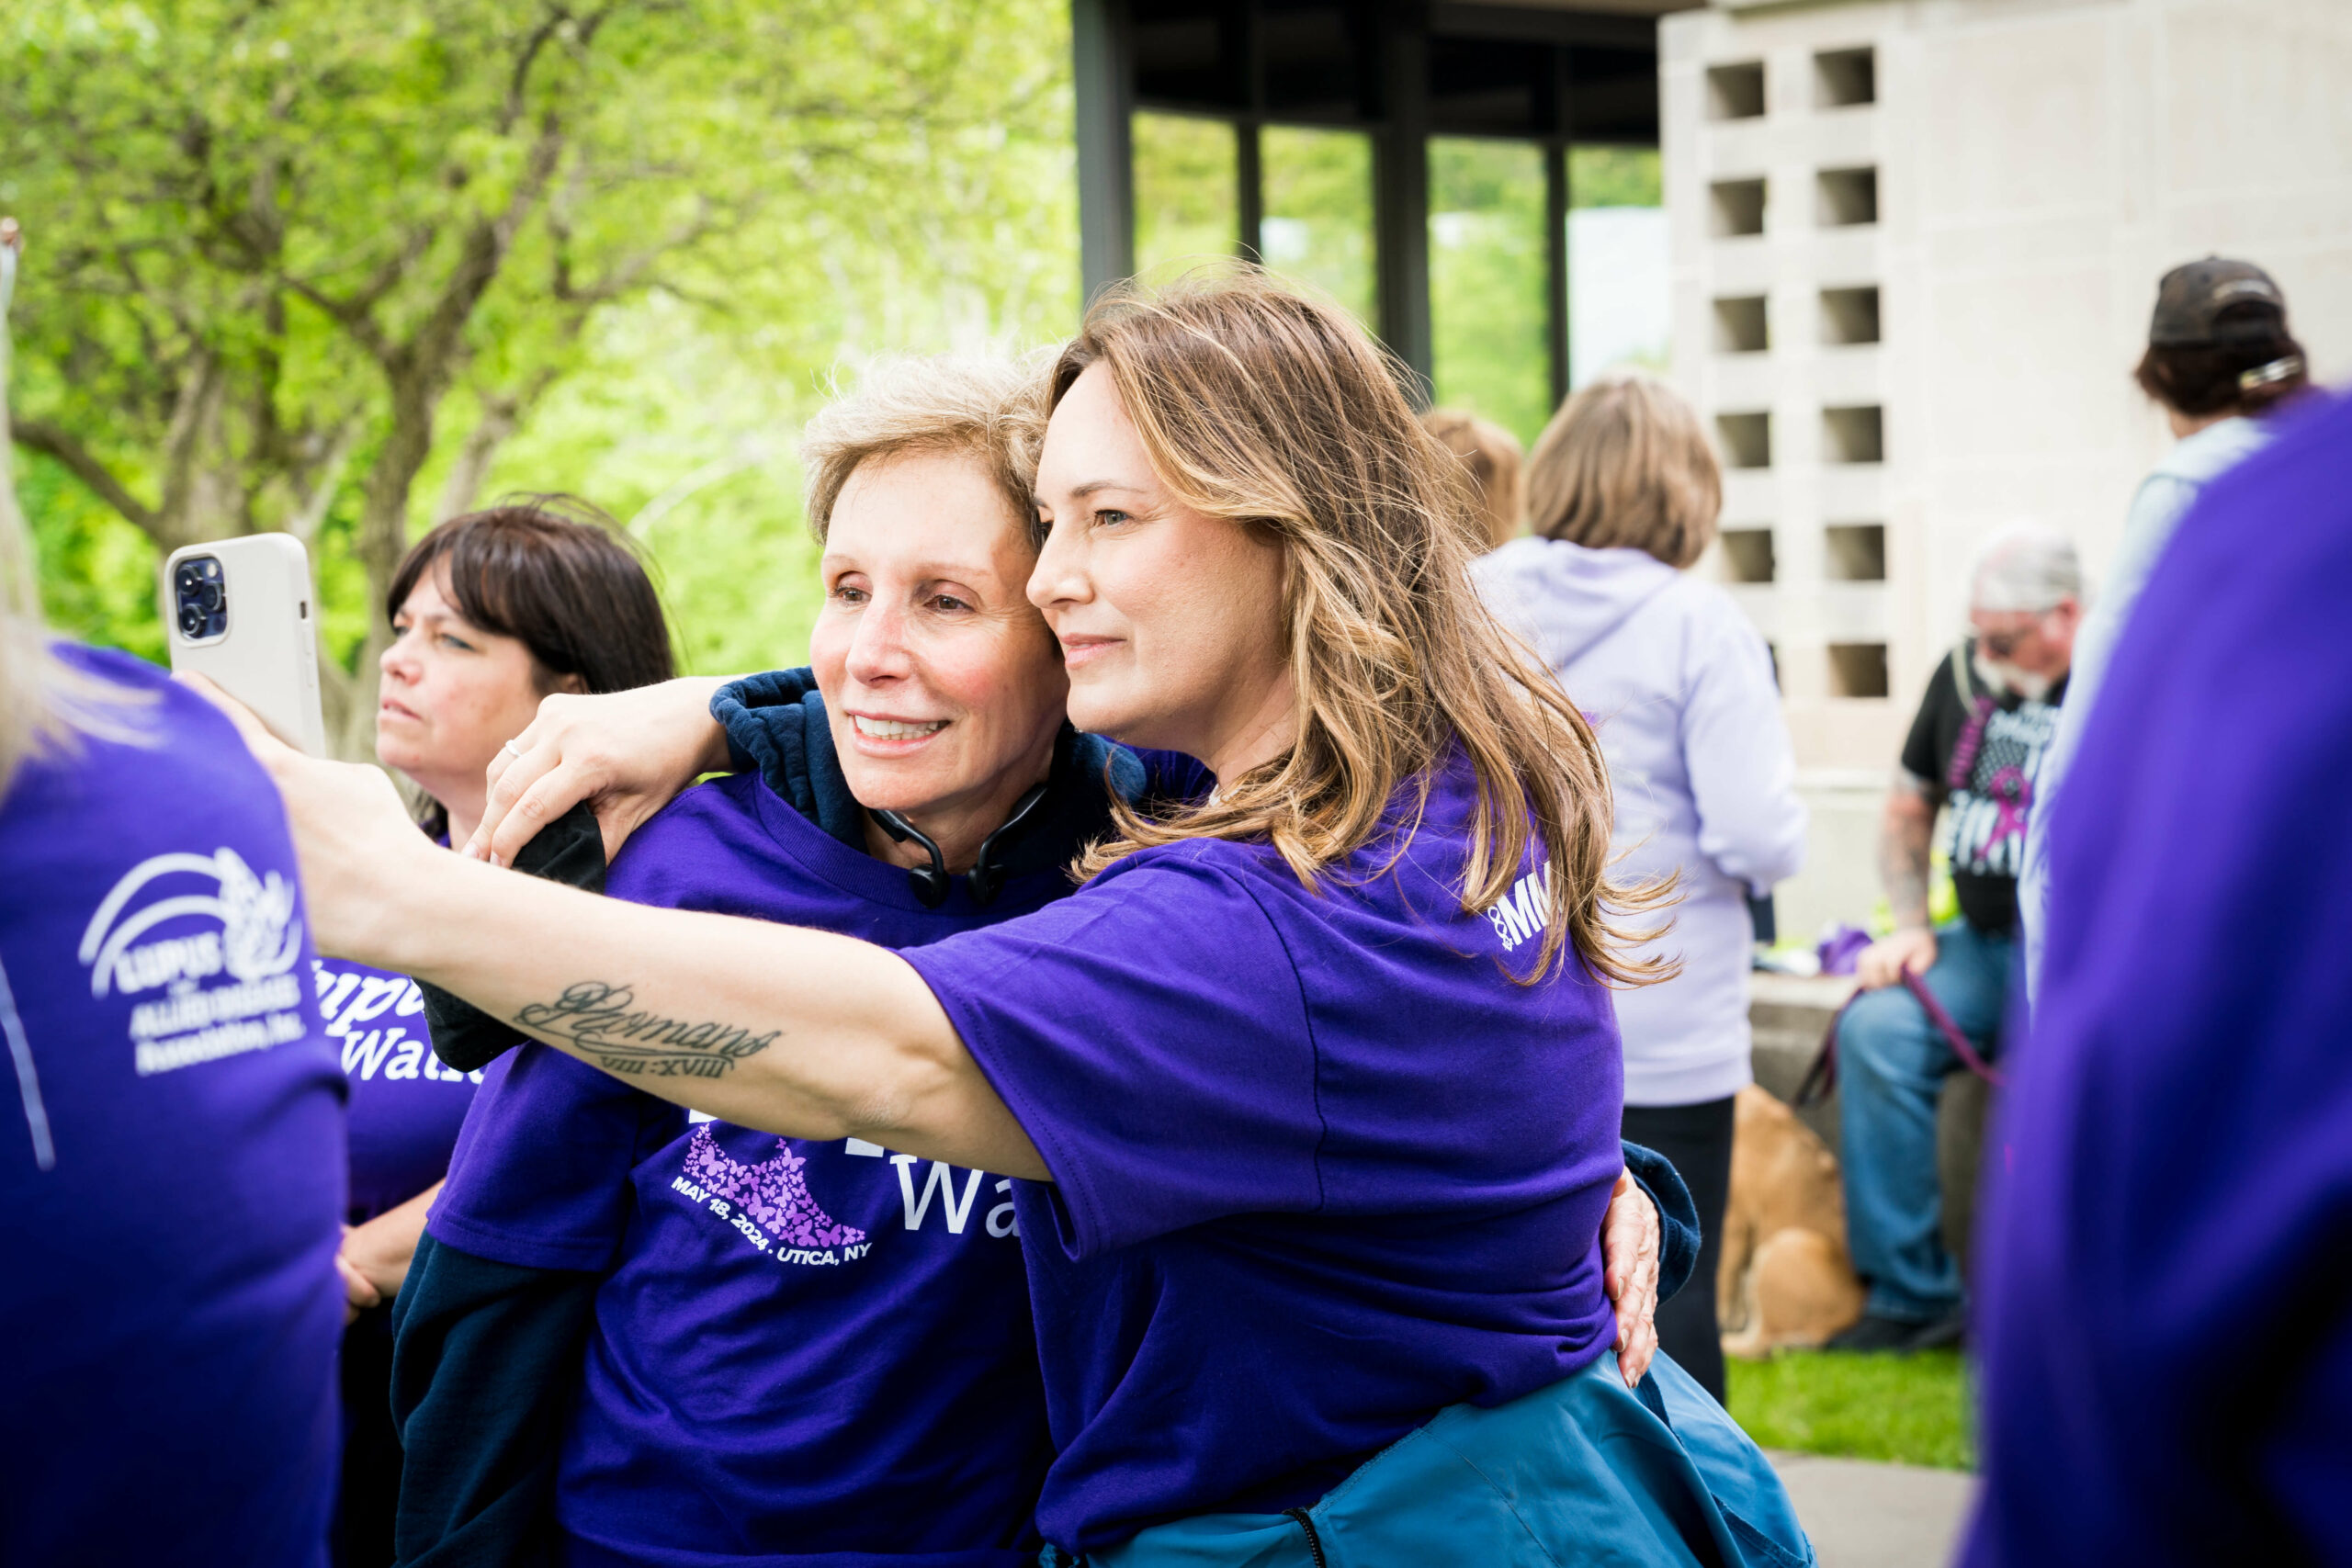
x=1892 y=1063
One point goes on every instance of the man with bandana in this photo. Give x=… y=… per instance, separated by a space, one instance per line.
x=1990 y=709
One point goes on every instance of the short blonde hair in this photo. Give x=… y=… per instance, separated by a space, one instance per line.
x=1625 y=463
x=1496 y=464
x=989 y=410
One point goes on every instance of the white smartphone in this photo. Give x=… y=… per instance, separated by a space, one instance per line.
x=239 y=613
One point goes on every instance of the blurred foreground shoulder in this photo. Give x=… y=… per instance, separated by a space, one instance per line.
x=175 y=1180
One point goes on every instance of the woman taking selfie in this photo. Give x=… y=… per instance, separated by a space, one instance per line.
x=491 y=613
x=1311 y=1091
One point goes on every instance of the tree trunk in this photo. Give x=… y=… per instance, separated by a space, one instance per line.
x=499 y=416
x=383 y=538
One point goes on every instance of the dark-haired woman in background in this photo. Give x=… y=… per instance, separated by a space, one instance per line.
x=2219 y=359
x=491 y=612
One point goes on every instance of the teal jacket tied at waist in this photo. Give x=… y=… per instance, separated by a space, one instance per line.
x=1587 y=1471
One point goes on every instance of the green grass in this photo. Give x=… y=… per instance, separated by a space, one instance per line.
x=1910 y=1409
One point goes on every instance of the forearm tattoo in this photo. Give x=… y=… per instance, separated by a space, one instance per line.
x=1903 y=864
x=598 y=1020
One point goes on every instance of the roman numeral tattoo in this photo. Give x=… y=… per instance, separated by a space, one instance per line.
x=598 y=1020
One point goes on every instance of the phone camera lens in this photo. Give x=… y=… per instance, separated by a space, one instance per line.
x=201 y=592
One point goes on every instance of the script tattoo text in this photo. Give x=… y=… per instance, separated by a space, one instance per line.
x=598 y=1018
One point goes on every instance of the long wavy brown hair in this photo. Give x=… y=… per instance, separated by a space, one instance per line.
x=1274 y=410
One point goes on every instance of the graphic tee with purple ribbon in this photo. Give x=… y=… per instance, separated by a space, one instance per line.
x=803 y=1352
x=1978 y=748
x=170 y=1156
x=405 y=1106
x=1323 y=1167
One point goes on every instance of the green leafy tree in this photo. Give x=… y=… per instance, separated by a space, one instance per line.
x=314 y=266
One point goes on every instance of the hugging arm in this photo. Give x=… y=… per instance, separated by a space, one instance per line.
x=1649 y=1245
x=800 y=1032
x=628 y=753
x=1655 y=1177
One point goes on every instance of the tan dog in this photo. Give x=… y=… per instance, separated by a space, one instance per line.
x=1785 y=1279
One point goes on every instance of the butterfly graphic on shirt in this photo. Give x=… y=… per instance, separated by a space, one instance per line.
x=770 y=1204
x=773 y=1195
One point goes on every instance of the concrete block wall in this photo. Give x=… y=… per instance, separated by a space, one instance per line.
x=2036 y=165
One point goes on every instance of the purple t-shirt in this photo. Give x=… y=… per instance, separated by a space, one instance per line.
x=170 y=1159
x=803 y=1352
x=2164 y=1335
x=405 y=1106
x=1322 y=1167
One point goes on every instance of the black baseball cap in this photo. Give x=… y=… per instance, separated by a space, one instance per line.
x=2191 y=299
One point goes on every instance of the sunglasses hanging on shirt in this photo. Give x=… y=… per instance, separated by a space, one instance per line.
x=988 y=874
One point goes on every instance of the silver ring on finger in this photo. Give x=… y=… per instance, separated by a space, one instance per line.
x=509 y=750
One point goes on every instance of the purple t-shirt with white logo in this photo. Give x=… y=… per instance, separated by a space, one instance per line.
x=804 y=1352
x=405 y=1106
x=170 y=1159
x=1322 y=1169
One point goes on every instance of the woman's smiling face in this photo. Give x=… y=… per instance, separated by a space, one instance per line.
x=942 y=685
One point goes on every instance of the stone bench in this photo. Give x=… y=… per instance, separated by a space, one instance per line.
x=1789 y=1015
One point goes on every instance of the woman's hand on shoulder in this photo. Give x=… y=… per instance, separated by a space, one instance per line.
x=629 y=753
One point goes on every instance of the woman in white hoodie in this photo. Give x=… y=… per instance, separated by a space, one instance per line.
x=1622 y=495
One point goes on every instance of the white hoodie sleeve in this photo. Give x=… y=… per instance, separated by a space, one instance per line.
x=1736 y=752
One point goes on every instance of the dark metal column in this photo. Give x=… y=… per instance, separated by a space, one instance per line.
x=1555 y=218
x=1103 y=70
x=1249 y=177
x=1556 y=199
x=1401 y=187
x=1249 y=167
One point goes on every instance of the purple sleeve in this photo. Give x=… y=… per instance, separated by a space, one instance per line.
x=1150 y=1037
x=2163 y=1319
x=541 y=1175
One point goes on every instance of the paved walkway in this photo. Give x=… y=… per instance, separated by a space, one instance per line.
x=1877 y=1516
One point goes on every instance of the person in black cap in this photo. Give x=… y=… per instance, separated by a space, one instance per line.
x=2219 y=358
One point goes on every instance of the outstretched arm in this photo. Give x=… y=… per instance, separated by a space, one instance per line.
x=799 y=1032
x=803 y=1033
